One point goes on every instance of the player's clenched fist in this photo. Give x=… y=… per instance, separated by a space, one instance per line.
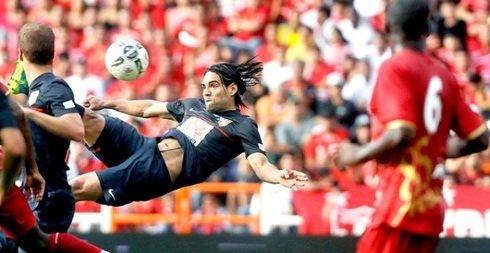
x=93 y=102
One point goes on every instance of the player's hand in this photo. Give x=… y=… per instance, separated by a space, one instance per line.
x=34 y=185
x=292 y=179
x=345 y=154
x=94 y=103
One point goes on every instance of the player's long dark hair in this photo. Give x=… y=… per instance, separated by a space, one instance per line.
x=244 y=75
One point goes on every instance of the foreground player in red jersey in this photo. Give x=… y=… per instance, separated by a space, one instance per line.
x=415 y=104
x=16 y=218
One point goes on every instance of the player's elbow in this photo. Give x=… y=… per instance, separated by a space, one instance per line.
x=16 y=151
x=480 y=143
x=399 y=138
x=72 y=127
x=13 y=144
x=78 y=134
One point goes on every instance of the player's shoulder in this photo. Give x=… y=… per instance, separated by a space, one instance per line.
x=196 y=104
x=191 y=101
x=59 y=81
x=245 y=120
x=401 y=60
x=415 y=62
x=394 y=63
x=56 y=83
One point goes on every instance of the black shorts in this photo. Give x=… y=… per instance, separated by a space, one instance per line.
x=55 y=212
x=137 y=171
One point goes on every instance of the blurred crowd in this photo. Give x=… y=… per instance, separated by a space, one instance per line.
x=320 y=57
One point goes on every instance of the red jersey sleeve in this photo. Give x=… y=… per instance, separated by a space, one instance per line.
x=467 y=123
x=393 y=97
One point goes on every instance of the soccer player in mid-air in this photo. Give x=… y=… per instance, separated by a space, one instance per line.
x=211 y=131
x=415 y=103
x=17 y=220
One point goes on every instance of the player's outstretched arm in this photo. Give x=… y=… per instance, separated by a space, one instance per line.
x=271 y=174
x=68 y=126
x=393 y=139
x=457 y=147
x=140 y=108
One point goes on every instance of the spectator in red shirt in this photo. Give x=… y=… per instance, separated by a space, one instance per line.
x=447 y=53
x=124 y=29
x=108 y=15
x=468 y=9
x=480 y=58
x=213 y=21
x=247 y=28
x=265 y=52
x=154 y=8
x=474 y=26
x=378 y=21
x=316 y=69
x=210 y=207
x=318 y=145
x=462 y=69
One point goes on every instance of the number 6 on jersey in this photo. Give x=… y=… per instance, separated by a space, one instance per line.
x=433 y=105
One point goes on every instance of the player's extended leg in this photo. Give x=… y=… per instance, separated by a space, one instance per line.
x=35 y=240
x=87 y=186
x=110 y=139
x=19 y=224
x=142 y=176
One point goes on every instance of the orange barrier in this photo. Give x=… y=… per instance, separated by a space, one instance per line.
x=183 y=219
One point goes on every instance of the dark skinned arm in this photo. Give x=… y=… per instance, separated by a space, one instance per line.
x=457 y=147
x=393 y=139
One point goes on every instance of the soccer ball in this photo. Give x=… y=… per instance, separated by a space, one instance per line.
x=126 y=59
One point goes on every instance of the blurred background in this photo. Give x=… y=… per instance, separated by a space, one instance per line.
x=321 y=59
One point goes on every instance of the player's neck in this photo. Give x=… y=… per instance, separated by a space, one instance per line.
x=414 y=45
x=231 y=108
x=33 y=71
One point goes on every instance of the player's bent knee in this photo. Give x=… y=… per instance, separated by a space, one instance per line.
x=86 y=187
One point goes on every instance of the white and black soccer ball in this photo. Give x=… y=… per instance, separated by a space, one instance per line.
x=126 y=59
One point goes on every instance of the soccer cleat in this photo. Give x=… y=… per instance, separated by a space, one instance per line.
x=18 y=82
